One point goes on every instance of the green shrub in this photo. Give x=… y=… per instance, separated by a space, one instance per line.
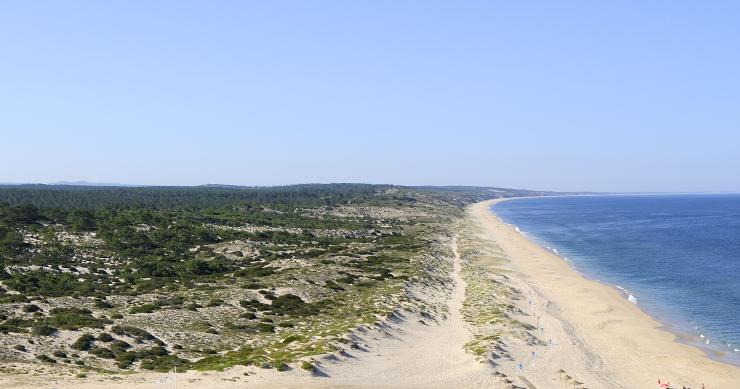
x=281 y=366
x=75 y=318
x=105 y=337
x=254 y=305
x=20 y=347
x=134 y=332
x=45 y=283
x=83 y=343
x=125 y=359
x=265 y=327
x=145 y=308
x=13 y=325
x=308 y=366
x=102 y=304
x=60 y=354
x=292 y=338
x=289 y=304
x=102 y=352
x=166 y=363
x=119 y=346
x=43 y=330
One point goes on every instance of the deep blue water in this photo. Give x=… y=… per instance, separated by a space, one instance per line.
x=678 y=255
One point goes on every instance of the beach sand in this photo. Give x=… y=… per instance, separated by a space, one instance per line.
x=598 y=337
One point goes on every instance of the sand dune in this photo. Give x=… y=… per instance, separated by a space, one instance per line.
x=586 y=331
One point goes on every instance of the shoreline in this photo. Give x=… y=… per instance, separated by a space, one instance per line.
x=682 y=333
x=605 y=320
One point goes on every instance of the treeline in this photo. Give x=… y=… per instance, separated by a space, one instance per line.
x=200 y=197
x=218 y=197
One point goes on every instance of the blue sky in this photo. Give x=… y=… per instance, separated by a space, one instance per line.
x=612 y=96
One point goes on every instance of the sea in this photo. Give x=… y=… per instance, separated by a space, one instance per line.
x=676 y=256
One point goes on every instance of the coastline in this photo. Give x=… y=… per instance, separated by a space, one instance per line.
x=681 y=330
x=558 y=319
x=630 y=347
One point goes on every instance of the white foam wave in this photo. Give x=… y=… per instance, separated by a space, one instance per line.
x=555 y=251
x=632 y=299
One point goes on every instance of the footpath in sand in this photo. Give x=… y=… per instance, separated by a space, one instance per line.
x=421 y=356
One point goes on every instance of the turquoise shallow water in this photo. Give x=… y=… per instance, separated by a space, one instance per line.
x=675 y=256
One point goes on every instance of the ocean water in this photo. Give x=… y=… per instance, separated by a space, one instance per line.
x=675 y=256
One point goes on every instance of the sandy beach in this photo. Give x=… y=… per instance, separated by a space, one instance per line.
x=597 y=334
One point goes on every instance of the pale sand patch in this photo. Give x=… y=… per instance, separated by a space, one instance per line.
x=598 y=337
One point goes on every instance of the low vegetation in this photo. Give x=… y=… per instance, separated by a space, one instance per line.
x=206 y=278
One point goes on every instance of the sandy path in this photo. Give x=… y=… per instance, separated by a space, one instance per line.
x=598 y=336
x=422 y=356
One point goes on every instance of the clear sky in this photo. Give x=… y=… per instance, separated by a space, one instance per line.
x=591 y=95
